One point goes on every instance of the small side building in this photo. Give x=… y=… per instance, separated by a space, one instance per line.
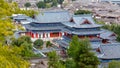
x=108 y=52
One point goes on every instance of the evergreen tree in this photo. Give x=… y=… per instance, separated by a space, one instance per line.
x=48 y=44
x=38 y=43
x=79 y=51
x=41 y=4
x=54 y=3
x=27 y=5
x=54 y=61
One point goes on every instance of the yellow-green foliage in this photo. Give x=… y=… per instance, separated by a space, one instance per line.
x=6 y=10
x=10 y=55
x=10 y=59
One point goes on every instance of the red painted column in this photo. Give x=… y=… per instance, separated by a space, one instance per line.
x=32 y=35
x=36 y=35
x=60 y=34
x=43 y=35
x=50 y=35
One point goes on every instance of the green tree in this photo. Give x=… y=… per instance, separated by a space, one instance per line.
x=38 y=43
x=79 y=51
x=18 y=42
x=114 y=64
x=69 y=63
x=26 y=51
x=10 y=59
x=48 y=44
x=54 y=61
x=54 y=3
x=27 y=5
x=41 y=4
x=82 y=12
x=10 y=56
x=118 y=38
x=26 y=39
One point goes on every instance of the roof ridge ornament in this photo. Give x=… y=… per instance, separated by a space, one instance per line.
x=86 y=21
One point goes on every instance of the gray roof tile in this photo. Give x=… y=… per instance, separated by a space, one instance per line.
x=48 y=17
x=110 y=51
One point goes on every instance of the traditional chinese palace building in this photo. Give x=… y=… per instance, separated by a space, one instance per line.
x=59 y=24
x=60 y=27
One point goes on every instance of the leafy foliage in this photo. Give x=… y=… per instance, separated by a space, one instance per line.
x=10 y=56
x=54 y=60
x=79 y=51
x=25 y=45
x=10 y=59
x=54 y=3
x=114 y=64
x=27 y=4
x=26 y=51
x=79 y=54
x=49 y=3
x=38 y=43
x=18 y=42
x=48 y=43
x=41 y=4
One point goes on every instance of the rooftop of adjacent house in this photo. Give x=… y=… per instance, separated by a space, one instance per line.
x=106 y=34
x=23 y=18
x=110 y=51
x=82 y=21
x=53 y=16
x=64 y=42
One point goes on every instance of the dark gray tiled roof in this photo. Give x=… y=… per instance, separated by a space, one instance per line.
x=53 y=16
x=71 y=24
x=44 y=26
x=78 y=21
x=23 y=18
x=110 y=51
x=82 y=32
x=106 y=34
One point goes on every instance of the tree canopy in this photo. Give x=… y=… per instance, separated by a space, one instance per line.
x=54 y=61
x=38 y=43
x=48 y=44
x=82 y=12
x=27 y=4
x=79 y=51
x=18 y=42
x=10 y=56
x=10 y=59
x=41 y=4
x=114 y=64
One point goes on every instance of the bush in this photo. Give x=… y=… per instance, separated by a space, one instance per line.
x=48 y=43
x=21 y=40
x=38 y=43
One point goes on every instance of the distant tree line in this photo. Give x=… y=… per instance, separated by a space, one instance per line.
x=82 y=12
x=49 y=3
